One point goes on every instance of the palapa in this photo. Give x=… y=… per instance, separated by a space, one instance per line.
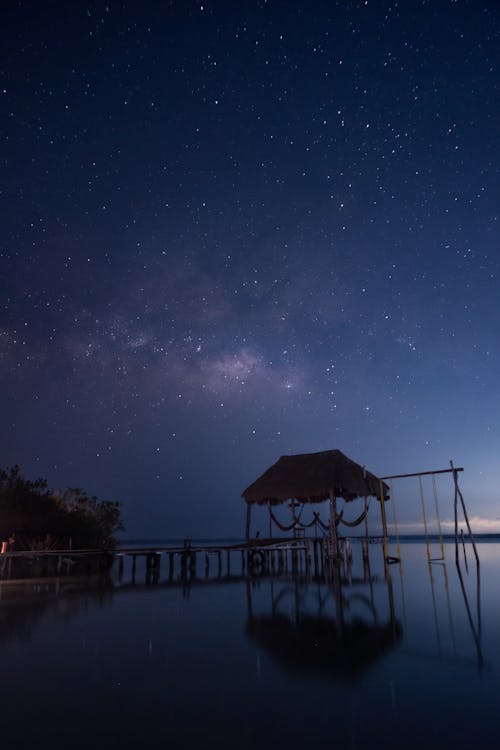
x=313 y=478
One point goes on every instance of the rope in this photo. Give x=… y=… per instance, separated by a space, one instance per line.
x=280 y=525
x=357 y=520
x=324 y=526
x=393 y=503
x=425 y=518
x=311 y=523
x=297 y=520
x=316 y=521
x=283 y=527
x=436 y=505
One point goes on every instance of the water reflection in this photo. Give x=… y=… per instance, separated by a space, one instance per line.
x=336 y=625
x=25 y=606
x=329 y=632
x=475 y=622
x=380 y=654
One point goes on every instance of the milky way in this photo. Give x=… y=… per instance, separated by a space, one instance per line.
x=236 y=230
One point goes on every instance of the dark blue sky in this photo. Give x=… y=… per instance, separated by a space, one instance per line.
x=236 y=230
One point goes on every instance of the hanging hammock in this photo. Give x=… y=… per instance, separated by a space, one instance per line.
x=357 y=520
x=311 y=523
x=326 y=526
x=280 y=525
x=315 y=521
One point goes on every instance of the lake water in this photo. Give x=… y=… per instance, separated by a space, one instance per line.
x=409 y=660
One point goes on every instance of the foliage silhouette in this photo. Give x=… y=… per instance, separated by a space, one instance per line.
x=31 y=511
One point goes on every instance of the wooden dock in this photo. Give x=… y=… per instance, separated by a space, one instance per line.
x=255 y=558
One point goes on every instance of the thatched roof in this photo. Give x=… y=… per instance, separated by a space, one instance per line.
x=311 y=477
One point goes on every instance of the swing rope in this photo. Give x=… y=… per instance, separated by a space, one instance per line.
x=438 y=518
x=425 y=518
x=396 y=529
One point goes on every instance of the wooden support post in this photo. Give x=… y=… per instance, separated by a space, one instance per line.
x=170 y=565
x=242 y=562
x=120 y=565
x=249 y=601
x=391 y=602
x=384 y=520
x=228 y=562
x=134 y=562
x=458 y=494
x=333 y=526
x=366 y=559
x=219 y=563
x=315 y=556
x=192 y=563
x=249 y=519
x=364 y=549
x=463 y=547
x=455 y=513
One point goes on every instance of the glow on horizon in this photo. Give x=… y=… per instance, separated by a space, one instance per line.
x=479 y=525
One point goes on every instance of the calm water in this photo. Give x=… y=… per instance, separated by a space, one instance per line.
x=409 y=661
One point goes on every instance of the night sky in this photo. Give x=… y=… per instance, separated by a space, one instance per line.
x=235 y=230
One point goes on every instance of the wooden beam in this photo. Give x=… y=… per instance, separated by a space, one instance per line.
x=249 y=518
x=421 y=473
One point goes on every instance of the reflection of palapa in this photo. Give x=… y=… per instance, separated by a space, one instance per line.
x=316 y=645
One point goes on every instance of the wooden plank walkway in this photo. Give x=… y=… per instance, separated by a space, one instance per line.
x=258 y=556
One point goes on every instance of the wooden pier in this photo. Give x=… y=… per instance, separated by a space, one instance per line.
x=258 y=557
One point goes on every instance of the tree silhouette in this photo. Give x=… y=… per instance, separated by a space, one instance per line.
x=31 y=510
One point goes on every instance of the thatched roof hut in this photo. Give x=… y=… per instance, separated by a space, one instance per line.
x=312 y=478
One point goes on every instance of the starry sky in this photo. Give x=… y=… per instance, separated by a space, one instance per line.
x=235 y=230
